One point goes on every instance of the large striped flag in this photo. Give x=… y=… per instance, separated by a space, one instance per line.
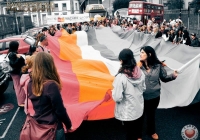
x=88 y=62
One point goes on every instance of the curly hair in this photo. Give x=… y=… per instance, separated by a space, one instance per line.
x=29 y=64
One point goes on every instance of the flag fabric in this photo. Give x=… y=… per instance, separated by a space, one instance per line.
x=88 y=62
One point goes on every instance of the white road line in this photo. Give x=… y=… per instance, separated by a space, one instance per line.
x=6 y=131
x=3 y=119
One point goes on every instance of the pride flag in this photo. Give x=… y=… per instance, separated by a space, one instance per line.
x=88 y=62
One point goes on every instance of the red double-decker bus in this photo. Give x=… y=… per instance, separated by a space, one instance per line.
x=144 y=10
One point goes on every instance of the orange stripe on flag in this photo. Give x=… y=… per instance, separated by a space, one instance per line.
x=68 y=48
x=93 y=76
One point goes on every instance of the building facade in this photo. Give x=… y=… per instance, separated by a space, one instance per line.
x=38 y=10
x=185 y=6
x=84 y=3
x=157 y=1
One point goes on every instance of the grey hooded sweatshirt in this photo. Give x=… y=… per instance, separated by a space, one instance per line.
x=127 y=94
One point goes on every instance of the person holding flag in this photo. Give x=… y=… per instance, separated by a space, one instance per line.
x=154 y=71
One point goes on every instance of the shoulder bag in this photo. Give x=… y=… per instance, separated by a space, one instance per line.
x=5 y=66
x=32 y=130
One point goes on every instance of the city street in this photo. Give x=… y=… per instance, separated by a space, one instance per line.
x=169 y=122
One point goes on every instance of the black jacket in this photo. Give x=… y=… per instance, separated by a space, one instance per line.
x=16 y=63
x=186 y=36
x=49 y=106
x=171 y=37
x=195 y=42
x=159 y=34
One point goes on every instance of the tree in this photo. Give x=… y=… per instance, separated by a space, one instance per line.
x=196 y=5
x=175 y=4
x=118 y=4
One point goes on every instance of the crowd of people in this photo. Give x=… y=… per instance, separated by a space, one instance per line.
x=136 y=88
x=37 y=86
x=172 y=30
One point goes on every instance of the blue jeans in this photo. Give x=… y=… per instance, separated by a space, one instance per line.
x=60 y=135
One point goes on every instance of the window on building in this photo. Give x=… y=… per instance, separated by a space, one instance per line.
x=56 y=5
x=43 y=8
x=64 y=6
x=56 y=13
x=76 y=6
x=34 y=18
x=44 y=18
x=64 y=13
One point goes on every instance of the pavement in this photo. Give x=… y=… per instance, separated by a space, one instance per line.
x=169 y=122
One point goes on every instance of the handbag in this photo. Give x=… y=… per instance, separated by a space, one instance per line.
x=5 y=66
x=32 y=130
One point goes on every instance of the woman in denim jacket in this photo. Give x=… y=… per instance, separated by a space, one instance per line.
x=154 y=72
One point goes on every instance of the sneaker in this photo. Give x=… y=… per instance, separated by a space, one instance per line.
x=155 y=136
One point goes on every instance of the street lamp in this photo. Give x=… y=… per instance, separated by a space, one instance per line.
x=198 y=18
x=72 y=6
x=180 y=9
x=189 y=15
x=49 y=7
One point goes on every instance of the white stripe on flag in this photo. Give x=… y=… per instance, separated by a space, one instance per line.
x=88 y=52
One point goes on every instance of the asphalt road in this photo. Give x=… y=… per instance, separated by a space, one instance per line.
x=169 y=123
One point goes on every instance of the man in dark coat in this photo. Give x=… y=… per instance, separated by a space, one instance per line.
x=194 y=40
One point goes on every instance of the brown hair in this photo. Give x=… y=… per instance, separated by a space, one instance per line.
x=43 y=69
x=38 y=38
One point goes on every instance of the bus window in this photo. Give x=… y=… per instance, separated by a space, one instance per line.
x=93 y=14
x=137 y=5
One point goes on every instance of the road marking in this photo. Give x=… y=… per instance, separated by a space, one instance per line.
x=6 y=131
x=6 y=108
x=1 y=121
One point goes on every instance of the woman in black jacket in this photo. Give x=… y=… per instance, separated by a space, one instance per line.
x=16 y=62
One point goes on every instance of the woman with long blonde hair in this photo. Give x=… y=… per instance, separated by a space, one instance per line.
x=24 y=80
x=44 y=92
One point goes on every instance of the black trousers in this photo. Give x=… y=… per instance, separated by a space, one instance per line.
x=132 y=129
x=150 y=107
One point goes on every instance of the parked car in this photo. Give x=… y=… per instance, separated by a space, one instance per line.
x=24 y=43
x=32 y=32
